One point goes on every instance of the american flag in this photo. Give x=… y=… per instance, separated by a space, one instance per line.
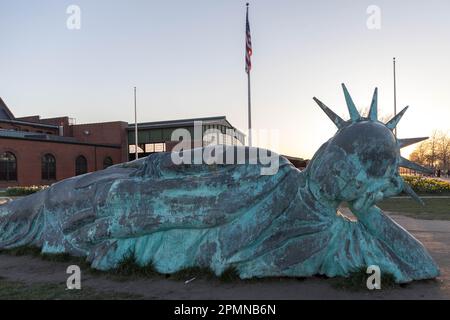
x=248 y=46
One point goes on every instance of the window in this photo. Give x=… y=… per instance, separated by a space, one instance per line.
x=107 y=162
x=132 y=149
x=48 y=167
x=8 y=167
x=160 y=147
x=80 y=165
x=149 y=147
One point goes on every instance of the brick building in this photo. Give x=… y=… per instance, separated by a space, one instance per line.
x=35 y=151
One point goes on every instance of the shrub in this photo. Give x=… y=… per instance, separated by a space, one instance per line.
x=129 y=266
x=230 y=274
x=357 y=280
x=23 y=191
x=427 y=185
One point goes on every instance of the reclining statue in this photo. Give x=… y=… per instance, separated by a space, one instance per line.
x=220 y=216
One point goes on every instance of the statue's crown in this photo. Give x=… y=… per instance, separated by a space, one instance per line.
x=372 y=116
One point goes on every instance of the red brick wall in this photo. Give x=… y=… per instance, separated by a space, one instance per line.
x=59 y=121
x=29 y=153
x=104 y=133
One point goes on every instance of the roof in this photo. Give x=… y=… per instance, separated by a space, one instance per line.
x=5 y=113
x=7 y=116
x=219 y=120
x=181 y=123
x=28 y=123
x=11 y=134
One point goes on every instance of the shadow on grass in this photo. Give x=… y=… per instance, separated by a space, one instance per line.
x=12 y=290
x=128 y=269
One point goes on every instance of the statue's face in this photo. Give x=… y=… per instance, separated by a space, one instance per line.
x=359 y=164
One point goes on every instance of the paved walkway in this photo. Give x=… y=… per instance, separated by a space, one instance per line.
x=434 y=234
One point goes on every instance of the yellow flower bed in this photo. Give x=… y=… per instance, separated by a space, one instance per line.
x=23 y=191
x=427 y=185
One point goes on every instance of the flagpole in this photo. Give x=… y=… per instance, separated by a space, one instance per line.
x=249 y=110
x=249 y=100
x=395 y=97
x=135 y=127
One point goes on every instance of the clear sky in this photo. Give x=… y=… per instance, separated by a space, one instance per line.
x=187 y=60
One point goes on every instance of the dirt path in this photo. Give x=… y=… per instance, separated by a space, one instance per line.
x=433 y=233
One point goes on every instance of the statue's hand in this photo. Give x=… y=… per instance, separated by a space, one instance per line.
x=376 y=191
x=367 y=200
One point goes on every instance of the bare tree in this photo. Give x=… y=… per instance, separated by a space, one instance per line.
x=432 y=149
x=434 y=152
x=419 y=154
x=443 y=150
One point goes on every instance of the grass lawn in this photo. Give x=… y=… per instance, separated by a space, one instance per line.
x=10 y=290
x=434 y=209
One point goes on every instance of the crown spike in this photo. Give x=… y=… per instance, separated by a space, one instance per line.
x=405 y=163
x=354 y=114
x=409 y=141
x=338 y=121
x=391 y=124
x=408 y=190
x=373 y=112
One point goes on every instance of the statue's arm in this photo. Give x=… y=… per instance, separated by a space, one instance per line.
x=385 y=229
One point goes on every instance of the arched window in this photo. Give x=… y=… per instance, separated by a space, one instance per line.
x=107 y=162
x=8 y=167
x=48 y=167
x=80 y=165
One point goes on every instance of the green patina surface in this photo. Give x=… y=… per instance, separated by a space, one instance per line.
x=230 y=216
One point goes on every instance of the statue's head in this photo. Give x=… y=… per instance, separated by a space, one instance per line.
x=359 y=164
